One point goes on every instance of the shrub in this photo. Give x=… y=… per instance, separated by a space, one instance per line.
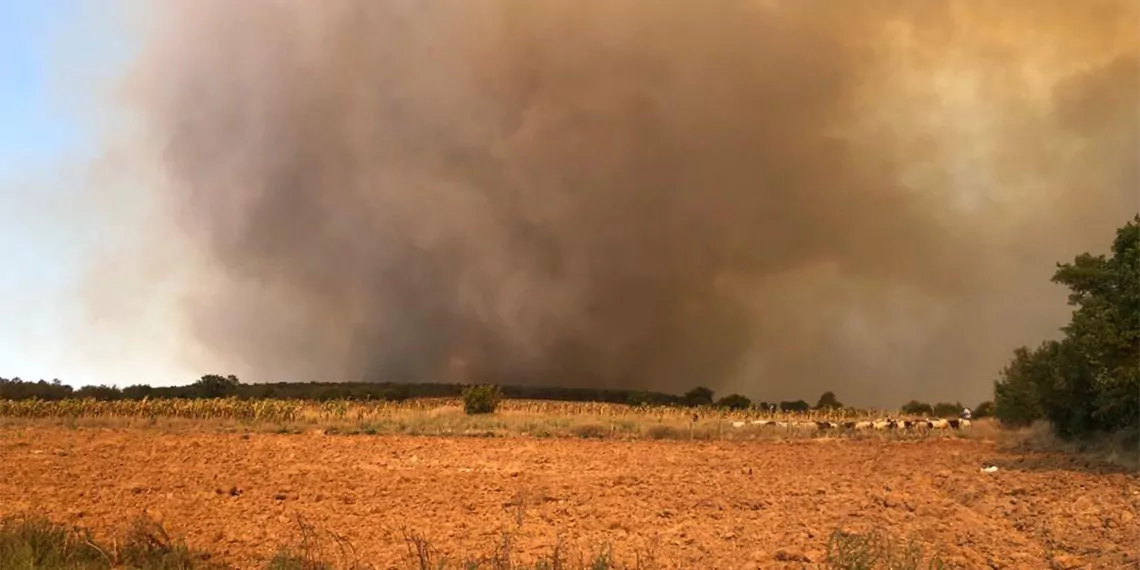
x=39 y=543
x=916 y=408
x=663 y=432
x=638 y=399
x=481 y=399
x=874 y=550
x=984 y=410
x=587 y=431
x=947 y=410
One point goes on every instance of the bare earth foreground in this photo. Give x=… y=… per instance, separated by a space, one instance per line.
x=690 y=504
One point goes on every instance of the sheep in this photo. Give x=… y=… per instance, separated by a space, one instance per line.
x=940 y=424
x=864 y=425
x=737 y=424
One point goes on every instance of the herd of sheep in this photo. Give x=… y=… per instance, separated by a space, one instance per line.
x=881 y=424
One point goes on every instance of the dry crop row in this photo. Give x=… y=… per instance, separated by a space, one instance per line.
x=271 y=410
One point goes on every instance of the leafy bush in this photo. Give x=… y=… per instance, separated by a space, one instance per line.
x=1089 y=381
x=481 y=399
x=984 y=410
x=734 y=402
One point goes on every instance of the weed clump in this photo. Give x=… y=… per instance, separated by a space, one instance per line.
x=663 y=432
x=874 y=551
x=589 y=431
x=41 y=544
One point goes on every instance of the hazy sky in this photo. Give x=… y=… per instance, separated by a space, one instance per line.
x=131 y=253
x=47 y=137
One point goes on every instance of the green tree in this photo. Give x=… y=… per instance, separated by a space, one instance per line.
x=1089 y=380
x=734 y=402
x=216 y=386
x=827 y=401
x=1016 y=393
x=796 y=406
x=699 y=396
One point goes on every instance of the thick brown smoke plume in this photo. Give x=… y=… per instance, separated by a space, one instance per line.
x=769 y=197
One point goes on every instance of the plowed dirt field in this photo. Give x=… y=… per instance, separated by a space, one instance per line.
x=689 y=504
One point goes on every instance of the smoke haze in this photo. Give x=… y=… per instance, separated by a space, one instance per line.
x=776 y=198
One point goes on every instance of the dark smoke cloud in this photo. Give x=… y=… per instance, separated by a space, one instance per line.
x=771 y=197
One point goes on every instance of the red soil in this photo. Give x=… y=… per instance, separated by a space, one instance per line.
x=692 y=504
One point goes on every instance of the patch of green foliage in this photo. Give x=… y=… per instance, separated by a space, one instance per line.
x=1088 y=382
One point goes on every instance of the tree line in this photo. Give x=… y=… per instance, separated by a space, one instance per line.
x=227 y=386
x=1086 y=383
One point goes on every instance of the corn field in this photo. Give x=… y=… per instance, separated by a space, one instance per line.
x=271 y=410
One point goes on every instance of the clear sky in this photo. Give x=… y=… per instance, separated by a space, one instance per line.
x=46 y=137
